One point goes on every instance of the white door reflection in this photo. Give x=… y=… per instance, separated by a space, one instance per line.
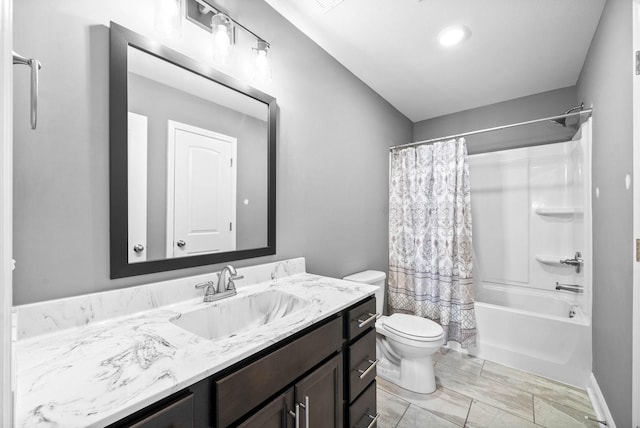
x=201 y=191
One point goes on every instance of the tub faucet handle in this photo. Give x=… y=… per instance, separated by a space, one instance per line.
x=576 y=261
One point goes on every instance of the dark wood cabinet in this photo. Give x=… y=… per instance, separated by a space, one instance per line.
x=246 y=388
x=326 y=373
x=361 y=362
x=314 y=401
x=361 y=318
x=279 y=413
x=363 y=412
x=319 y=396
x=176 y=413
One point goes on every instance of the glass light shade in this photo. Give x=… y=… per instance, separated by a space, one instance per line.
x=222 y=29
x=262 y=63
x=168 y=18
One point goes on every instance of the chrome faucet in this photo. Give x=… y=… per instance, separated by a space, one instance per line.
x=224 y=287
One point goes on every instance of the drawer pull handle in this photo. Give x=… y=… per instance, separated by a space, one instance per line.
x=374 y=419
x=364 y=373
x=296 y=415
x=306 y=411
x=305 y=406
x=372 y=317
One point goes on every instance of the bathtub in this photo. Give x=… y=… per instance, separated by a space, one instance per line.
x=531 y=208
x=540 y=332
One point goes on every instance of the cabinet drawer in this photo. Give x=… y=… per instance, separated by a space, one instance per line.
x=245 y=389
x=178 y=414
x=361 y=318
x=363 y=411
x=362 y=370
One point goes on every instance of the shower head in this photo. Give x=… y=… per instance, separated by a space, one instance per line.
x=563 y=120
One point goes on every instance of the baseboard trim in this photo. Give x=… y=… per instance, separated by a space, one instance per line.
x=598 y=402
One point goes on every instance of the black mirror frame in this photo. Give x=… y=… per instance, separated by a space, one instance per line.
x=120 y=39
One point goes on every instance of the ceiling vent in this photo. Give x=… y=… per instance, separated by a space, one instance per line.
x=327 y=5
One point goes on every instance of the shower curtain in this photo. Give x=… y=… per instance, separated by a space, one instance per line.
x=430 y=263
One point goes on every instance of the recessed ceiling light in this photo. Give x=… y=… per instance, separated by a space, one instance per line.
x=453 y=35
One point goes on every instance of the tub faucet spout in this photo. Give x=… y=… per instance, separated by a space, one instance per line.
x=574 y=288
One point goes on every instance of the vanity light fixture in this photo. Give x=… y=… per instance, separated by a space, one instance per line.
x=222 y=29
x=212 y=18
x=168 y=18
x=453 y=35
x=262 y=63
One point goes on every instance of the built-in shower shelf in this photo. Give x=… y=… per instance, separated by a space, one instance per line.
x=558 y=212
x=549 y=260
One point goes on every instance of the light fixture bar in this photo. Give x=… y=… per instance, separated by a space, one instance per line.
x=201 y=16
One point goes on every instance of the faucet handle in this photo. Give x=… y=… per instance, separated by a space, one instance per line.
x=204 y=284
x=209 y=289
x=232 y=278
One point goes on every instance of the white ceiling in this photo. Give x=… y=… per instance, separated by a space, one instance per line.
x=517 y=47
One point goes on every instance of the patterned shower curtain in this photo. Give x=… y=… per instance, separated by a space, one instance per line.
x=430 y=265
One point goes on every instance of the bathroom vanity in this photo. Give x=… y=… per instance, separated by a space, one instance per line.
x=310 y=362
x=304 y=378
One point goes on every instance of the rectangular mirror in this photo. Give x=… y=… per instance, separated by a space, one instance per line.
x=192 y=170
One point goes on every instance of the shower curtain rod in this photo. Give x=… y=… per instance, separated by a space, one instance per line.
x=495 y=128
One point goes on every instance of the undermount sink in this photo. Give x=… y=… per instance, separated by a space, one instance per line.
x=240 y=313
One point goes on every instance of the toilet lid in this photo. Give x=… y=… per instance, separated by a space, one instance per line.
x=413 y=327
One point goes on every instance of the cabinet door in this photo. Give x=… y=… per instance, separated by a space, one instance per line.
x=178 y=414
x=245 y=389
x=319 y=396
x=273 y=415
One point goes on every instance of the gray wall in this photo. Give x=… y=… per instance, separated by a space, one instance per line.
x=536 y=106
x=333 y=139
x=606 y=83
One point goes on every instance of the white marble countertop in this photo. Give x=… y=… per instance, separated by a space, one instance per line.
x=96 y=374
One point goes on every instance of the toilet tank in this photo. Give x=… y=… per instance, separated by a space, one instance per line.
x=373 y=277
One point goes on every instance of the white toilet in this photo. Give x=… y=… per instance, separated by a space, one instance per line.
x=405 y=343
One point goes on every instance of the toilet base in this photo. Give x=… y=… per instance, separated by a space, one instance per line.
x=388 y=371
x=415 y=375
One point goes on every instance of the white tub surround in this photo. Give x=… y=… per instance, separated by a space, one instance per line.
x=532 y=214
x=117 y=352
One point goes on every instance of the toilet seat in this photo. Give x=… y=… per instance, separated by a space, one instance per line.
x=411 y=328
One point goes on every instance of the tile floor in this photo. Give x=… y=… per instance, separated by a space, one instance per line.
x=477 y=393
